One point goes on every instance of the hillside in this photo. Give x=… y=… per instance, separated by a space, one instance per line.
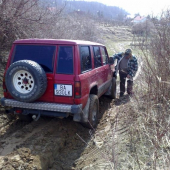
x=95 y=9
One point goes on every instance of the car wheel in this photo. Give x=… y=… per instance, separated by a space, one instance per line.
x=93 y=112
x=25 y=80
x=113 y=89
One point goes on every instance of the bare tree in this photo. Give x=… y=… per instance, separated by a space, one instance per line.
x=23 y=18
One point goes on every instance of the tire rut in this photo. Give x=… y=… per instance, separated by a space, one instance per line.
x=39 y=145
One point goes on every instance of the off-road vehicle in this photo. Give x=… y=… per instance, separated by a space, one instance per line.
x=58 y=78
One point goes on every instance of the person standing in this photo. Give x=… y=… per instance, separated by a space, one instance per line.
x=127 y=65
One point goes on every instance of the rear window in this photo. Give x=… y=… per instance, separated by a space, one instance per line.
x=65 y=60
x=42 y=54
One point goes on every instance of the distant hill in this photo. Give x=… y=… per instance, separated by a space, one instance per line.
x=93 y=8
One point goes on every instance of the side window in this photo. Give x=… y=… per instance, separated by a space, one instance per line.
x=104 y=55
x=97 y=57
x=65 y=60
x=85 y=58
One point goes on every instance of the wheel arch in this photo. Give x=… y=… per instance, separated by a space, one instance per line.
x=94 y=89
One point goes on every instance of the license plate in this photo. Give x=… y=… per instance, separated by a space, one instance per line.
x=63 y=90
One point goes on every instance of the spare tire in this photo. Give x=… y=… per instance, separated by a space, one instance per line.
x=25 y=80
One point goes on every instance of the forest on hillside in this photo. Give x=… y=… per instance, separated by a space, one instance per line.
x=41 y=18
x=21 y=19
x=95 y=9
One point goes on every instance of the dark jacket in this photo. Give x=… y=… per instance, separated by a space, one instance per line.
x=132 y=64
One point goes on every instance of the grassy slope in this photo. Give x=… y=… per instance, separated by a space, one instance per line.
x=117 y=39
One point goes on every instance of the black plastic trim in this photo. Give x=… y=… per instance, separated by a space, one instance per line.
x=76 y=109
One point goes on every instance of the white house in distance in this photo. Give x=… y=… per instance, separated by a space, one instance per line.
x=138 y=19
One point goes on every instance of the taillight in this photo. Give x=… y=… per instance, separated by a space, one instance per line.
x=77 y=89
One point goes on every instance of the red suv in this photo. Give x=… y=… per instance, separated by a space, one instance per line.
x=58 y=78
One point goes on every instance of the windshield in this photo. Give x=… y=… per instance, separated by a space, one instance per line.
x=42 y=54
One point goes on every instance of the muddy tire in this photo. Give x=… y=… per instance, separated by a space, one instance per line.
x=93 y=112
x=113 y=89
x=25 y=80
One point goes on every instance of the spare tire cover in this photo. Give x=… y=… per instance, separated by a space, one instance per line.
x=26 y=80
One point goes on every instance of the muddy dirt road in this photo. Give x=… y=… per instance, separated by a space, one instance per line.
x=49 y=143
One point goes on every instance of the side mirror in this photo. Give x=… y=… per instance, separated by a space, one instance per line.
x=111 y=60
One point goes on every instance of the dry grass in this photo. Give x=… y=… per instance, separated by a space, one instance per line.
x=146 y=142
x=139 y=135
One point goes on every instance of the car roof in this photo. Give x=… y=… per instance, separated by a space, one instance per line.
x=55 y=41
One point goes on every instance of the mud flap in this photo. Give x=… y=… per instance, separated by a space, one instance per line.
x=83 y=116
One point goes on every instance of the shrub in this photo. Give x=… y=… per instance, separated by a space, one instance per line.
x=144 y=28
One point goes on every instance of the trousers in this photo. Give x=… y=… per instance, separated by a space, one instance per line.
x=123 y=77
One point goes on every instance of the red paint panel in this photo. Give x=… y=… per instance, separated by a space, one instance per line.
x=48 y=96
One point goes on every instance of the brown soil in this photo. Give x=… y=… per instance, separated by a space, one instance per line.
x=50 y=143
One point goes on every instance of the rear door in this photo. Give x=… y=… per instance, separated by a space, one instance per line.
x=64 y=75
x=44 y=55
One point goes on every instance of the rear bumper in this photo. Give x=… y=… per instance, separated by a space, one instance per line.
x=54 y=107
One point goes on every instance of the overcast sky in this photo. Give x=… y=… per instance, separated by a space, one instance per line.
x=144 y=7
